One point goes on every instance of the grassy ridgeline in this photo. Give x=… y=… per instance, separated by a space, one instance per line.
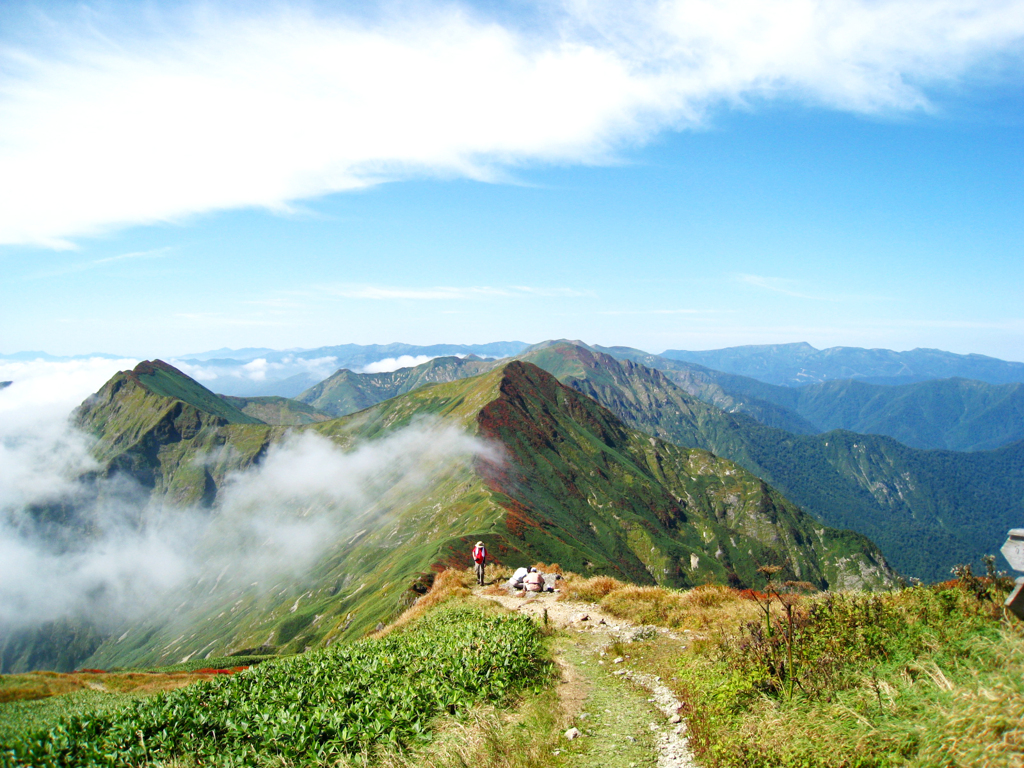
x=922 y=677
x=928 y=676
x=321 y=707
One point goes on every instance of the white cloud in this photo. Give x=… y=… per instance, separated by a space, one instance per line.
x=273 y=520
x=43 y=390
x=112 y=126
x=389 y=364
x=260 y=369
x=39 y=457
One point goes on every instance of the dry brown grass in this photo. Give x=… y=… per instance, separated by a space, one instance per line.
x=985 y=727
x=591 y=590
x=548 y=568
x=698 y=608
x=37 y=685
x=499 y=573
x=449 y=583
x=649 y=605
x=42 y=685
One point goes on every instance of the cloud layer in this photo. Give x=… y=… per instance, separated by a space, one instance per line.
x=272 y=521
x=216 y=374
x=108 y=124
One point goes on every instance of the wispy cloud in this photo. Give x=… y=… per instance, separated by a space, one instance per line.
x=122 y=119
x=155 y=253
x=799 y=289
x=659 y=311
x=448 y=293
x=1014 y=325
x=783 y=285
x=223 y=319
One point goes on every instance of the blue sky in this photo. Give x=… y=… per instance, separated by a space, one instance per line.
x=685 y=174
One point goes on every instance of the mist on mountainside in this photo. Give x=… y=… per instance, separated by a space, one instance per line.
x=79 y=544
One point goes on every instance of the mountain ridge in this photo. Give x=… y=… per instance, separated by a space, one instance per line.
x=857 y=482
x=576 y=486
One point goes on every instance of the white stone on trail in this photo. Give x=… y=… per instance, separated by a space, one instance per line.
x=573 y=733
x=673 y=746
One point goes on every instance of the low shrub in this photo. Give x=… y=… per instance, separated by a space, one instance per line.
x=919 y=677
x=448 y=584
x=319 y=708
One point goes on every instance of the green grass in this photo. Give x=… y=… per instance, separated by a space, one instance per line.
x=319 y=707
x=221 y=662
x=920 y=677
x=18 y=718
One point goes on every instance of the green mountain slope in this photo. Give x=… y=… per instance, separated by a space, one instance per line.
x=149 y=421
x=346 y=392
x=927 y=510
x=954 y=414
x=573 y=485
x=728 y=392
x=868 y=495
x=280 y=411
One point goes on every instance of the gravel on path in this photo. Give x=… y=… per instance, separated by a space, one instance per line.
x=589 y=621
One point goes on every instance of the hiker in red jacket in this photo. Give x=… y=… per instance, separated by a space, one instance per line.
x=479 y=561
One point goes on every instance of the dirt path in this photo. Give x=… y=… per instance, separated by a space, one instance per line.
x=626 y=717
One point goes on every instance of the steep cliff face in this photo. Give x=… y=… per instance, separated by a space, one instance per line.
x=159 y=426
x=927 y=510
x=581 y=484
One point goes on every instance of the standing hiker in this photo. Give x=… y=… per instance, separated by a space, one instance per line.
x=480 y=561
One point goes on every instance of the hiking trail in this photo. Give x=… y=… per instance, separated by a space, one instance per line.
x=625 y=716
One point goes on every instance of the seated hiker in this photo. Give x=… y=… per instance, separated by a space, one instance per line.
x=515 y=581
x=534 y=582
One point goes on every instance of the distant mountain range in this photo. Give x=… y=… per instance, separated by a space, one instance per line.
x=947 y=414
x=952 y=414
x=799 y=364
x=927 y=510
x=359 y=355
x=257 y=372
